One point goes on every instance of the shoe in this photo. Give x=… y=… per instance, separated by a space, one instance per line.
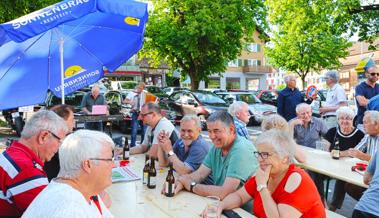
x=332 y=207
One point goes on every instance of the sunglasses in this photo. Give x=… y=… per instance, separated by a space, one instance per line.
x=374 y=74
x=103 y=159
x=56 y=137
x=144 y=115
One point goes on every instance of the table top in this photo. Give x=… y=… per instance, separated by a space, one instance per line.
x=133 y=199
x=321 y=162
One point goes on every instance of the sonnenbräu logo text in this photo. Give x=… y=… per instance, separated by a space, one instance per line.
x=49 y=14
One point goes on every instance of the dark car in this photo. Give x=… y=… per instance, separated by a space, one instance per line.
x=155 y=90
x=268 y=96
x=201 y=103
x=257 y=109
x=315 y=105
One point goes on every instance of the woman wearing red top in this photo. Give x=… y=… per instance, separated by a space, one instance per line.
x=279 y=188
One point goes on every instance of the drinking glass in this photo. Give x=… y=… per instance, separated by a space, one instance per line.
x=213 y=202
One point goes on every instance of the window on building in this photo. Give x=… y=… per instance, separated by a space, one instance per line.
x=233 y=63
x=253 y=47
x=213 y=83
x=233 y=83
x=252 y=84
x=252 y=62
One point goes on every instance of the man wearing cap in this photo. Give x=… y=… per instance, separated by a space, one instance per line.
x=335 y=98
x=368 y=88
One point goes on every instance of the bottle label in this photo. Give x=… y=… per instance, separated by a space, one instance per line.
x=169 y=188
x=126 y=154
x=152 y=181
x=335 y=153
x=144 y=179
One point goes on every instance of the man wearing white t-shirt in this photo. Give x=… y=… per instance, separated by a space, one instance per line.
x=86 y=168
x=335 y=98
x=151 y=116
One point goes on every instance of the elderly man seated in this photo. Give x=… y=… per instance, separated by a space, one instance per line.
x=189 y=151
x=86 y=167
x=230 y=161
x=241 y=116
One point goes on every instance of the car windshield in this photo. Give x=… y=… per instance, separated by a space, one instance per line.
x=74 y=99
x=208 y=98
x=249 y=98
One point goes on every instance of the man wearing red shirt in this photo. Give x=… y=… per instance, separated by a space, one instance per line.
x=21 y=166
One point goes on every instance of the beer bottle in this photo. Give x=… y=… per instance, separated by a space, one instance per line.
x=145 y=172
x=125 y=150
x=336 y=149
x=151 y=179
x=170 y=182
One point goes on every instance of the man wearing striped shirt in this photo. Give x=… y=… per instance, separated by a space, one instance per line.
x=21 y=166
x=241 y=116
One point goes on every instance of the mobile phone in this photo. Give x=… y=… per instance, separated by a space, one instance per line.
x=231 y=214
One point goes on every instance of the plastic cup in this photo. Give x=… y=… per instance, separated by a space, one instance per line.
x=213 y=202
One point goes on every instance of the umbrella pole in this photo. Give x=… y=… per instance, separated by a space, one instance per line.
x=61 y=42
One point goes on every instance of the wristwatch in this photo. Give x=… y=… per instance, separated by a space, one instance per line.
x=193 y=184
x=260 y=187
x=170 y=153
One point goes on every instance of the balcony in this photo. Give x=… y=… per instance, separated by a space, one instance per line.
x=256 y=69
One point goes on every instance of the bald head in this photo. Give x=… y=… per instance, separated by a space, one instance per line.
x=95 y=91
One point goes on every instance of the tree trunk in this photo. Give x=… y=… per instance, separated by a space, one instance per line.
x=194 y=80
x=303 y=80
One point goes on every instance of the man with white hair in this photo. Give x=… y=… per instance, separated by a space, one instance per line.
x=335 y=98
x=188 y=152
x=22 y=176
x=241 y=116
x=89 y=100
x=86 y=170
x=289 y=98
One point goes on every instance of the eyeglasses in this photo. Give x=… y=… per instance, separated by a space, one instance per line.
x=144 y=115
x=55 y=136
x=263 y=155
x=374 y=74
x=103 y=159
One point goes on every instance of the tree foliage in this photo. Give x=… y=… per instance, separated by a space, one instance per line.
x=307 y=35
x=200 y=36
x=12 y=9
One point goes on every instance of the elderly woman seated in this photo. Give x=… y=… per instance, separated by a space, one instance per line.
x=275 y=121
x=279 y=188
x=348 y=136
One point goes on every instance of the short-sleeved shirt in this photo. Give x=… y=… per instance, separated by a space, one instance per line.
x=308 y=136
x=373 y=104
x=241 y=128
x=369 y=201
x=304 y=198
x=151 y=134
x=195 y=154
x=21 y=179
x=334 y=97
x=88 y=101
x=59 y=200
x=346 y=141
x=363 y=89
x=239 y=163
x=369 y=145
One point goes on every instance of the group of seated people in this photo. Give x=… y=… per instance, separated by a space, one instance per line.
x=260 y=176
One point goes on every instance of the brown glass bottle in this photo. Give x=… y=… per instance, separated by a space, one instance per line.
x=170 y=182
x=145 y=171
x=152 y=178
x=125 y=150
x=336 y=149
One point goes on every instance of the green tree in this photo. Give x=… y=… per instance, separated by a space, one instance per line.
x=306 y=36
x=200 y=36
x=12 y=9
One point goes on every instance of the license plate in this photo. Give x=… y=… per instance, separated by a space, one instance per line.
x=80 y=125
x=15 y=114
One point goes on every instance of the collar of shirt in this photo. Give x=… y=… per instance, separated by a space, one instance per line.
x=239 y=122
x=181 y=143
x=36 y=160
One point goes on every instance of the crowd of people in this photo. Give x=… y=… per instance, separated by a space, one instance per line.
x=54 y=171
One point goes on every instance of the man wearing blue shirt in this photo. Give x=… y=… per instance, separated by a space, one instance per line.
x=189 y=151
x=241 y=116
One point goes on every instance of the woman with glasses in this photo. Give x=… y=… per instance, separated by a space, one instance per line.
x=279 y=188
x=348 y=137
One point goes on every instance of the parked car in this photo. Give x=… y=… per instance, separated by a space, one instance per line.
x=170 y=90
x=268 y=96
x=201 y=103
x=257 y=109
x=315 y=105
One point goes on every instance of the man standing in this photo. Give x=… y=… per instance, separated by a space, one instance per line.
x=230 y=161
x=151 y=116
x=21 y=166
x=335 y=98
x=289 y=98
x=189 y=151
x=89 y=100
x=136 y=99
x=241 y=116
x=366 y=89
